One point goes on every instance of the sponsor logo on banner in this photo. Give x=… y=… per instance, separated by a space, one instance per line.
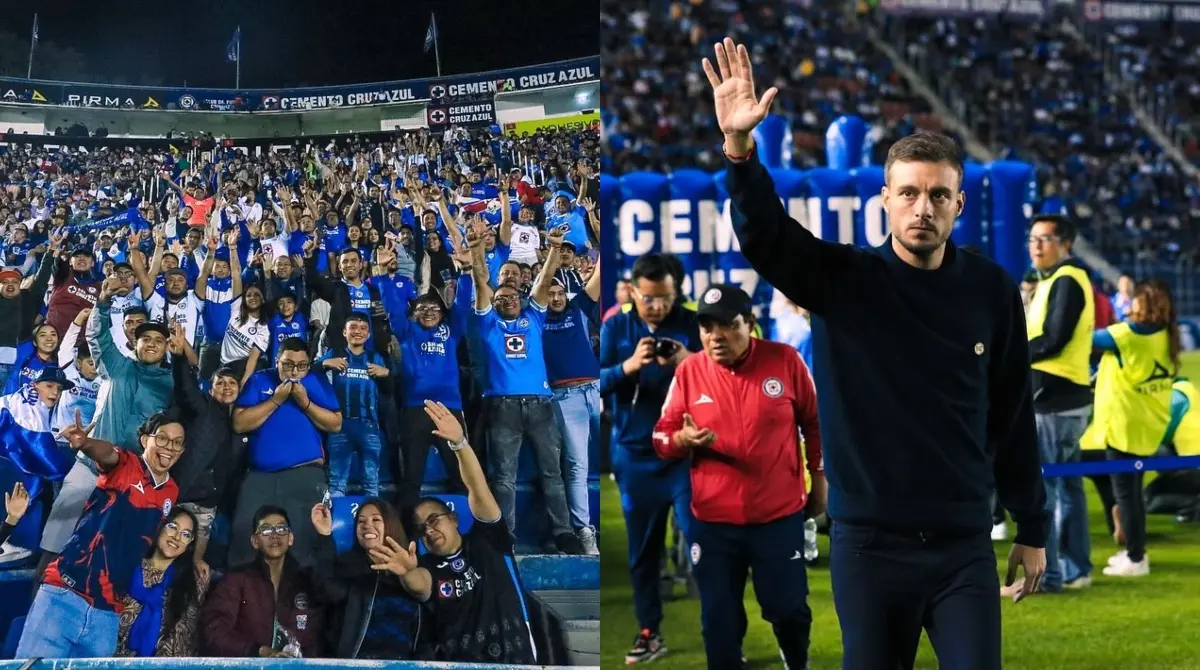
x=567 y=76
x=108 y=101
x=186 y=101
x=437 y=116
x=574 y=122
x=1014 y=9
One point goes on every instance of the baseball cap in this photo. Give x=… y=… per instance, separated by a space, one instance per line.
x=53 y=374
x=724 y=302
x=123 y=265
x=155 y=326
x=81 y=250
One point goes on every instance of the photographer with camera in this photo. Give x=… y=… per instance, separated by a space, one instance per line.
x=639 y=350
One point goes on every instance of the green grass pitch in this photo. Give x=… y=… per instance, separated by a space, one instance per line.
x=1150 y=623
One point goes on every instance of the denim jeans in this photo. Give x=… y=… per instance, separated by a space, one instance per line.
x=577 y=409
x=1068 y=546
x=61 y=624
x=359 y=436
x=511 y=420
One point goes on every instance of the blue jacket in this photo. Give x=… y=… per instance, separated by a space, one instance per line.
x=633 y=422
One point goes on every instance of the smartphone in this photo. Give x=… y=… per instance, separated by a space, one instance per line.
x=327 y=500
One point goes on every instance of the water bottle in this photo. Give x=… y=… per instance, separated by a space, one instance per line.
x=810 y=540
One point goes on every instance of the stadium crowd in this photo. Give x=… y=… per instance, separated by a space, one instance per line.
x=1060 y=112
x=197 y=336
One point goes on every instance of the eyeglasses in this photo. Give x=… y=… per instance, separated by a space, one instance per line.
x=288 y=366
x=124 y=274
x=163 y=441
x=431 y=521
x=507 y=298
x=652 y=300
x=268 y=531
x=173 y=529
x=426 y=309
x=1043 y=239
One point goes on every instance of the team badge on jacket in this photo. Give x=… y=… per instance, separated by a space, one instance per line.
x=772 y=387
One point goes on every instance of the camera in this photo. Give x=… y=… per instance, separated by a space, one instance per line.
x=665 y=348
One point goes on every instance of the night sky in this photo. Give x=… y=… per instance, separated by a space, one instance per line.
x=302 y=42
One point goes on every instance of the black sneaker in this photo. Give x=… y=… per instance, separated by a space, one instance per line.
x=647 y=646
x=568 y=543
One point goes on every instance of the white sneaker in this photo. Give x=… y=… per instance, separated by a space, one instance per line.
x=1078 y=583
x=1127 y=568
x=587 y=537
x=12 y=553
x=1000 y=532
x=1118 y=558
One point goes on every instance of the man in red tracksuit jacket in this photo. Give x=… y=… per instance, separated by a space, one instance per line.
x=734 y=409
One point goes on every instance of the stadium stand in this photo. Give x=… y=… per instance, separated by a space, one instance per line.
x=262 y=206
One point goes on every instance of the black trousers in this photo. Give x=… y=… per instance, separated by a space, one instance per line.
x=772 y=554
x=889 y=585
x=1103 y=485
x=416 y=437
x=1127 y=489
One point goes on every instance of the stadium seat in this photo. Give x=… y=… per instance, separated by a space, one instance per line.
x=13 y=636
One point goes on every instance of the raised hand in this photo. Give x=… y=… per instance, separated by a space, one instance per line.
x=554 y=236
x=16 y=504
x=738 y=109
x=322 y=519
x=212 y=243
x=178 y=339
x=75 y=434
x=446 y=425
x=394 y=558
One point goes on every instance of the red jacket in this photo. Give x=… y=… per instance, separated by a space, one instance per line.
x=751 y=474
x=241 y=610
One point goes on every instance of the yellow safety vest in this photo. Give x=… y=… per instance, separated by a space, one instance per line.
x=1133 y=392
x=1072 y=362
x=1187 y=433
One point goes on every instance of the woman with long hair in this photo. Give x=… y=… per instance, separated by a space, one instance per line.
x=1133 y=407
x=248 y=334
x=165 y=595
x=374 y=616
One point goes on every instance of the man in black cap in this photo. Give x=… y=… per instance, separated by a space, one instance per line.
x=733 y=411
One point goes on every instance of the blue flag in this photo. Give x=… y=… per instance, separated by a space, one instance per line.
x=28 y=442
x=430 y=34
x=234 y=51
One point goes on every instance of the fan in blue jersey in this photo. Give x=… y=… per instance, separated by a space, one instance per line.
x=574 y=375
x=217 y=286
x=517 y=394
x=287 y=322
x=429 y=371
x=355 y=369
x=566 y=215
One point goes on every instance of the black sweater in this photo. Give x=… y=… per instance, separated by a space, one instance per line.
x=922 y=376
x=213 y=453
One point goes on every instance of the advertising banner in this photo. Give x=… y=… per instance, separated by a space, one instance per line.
x=687 y=213
x=1033 y=10
x=568 y=122
x=440 y=91
x=477 y=111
